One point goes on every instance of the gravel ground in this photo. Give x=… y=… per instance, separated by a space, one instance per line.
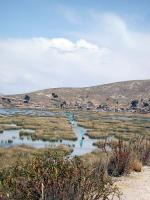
x=136 y=186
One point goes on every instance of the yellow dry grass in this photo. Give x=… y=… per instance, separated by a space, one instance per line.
x=9 y=156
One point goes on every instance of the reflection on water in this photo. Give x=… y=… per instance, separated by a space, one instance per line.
x=81 y=142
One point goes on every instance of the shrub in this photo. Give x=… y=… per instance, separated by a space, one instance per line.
x=119 y=162
x=141 y=147
x=136 y=165
x=54 y=177
x=128 y=156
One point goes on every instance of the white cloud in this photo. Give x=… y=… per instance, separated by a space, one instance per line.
x=115 y=54
x=40 y=63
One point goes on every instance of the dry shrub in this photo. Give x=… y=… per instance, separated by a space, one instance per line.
x=136 y=165
x=120 y=160
x=141 y=147
x=53 y=177
x=128 y=156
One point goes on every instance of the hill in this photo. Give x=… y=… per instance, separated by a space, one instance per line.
x=120 y=93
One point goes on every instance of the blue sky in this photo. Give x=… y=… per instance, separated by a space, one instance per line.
x=53 y=43
x=46 y=18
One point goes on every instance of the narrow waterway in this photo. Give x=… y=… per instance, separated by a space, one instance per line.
x=83 y=144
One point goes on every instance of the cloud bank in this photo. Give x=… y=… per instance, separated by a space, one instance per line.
x=108 y=53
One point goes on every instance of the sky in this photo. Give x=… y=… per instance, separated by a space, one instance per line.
x=72 y=43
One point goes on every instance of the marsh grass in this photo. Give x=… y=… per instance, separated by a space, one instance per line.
x=25 y=133
x=122 y=125
x=46 y=128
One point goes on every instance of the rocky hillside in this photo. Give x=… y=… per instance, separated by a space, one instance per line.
x=120 y=93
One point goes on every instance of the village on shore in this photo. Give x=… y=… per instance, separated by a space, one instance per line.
x=55 y=101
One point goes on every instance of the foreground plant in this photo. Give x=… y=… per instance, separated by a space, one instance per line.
x=54 y=177
x=128 y=156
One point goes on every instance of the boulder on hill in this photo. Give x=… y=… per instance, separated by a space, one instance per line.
x=134 y=103
x=145 y=104
x=54 y=95
x=26 y=99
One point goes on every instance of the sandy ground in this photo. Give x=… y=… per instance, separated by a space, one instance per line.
x=136 y=186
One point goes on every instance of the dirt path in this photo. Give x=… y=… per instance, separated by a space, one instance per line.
x=136 y=186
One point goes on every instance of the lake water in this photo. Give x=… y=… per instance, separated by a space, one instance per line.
x=30 y=112
x=10 y=138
